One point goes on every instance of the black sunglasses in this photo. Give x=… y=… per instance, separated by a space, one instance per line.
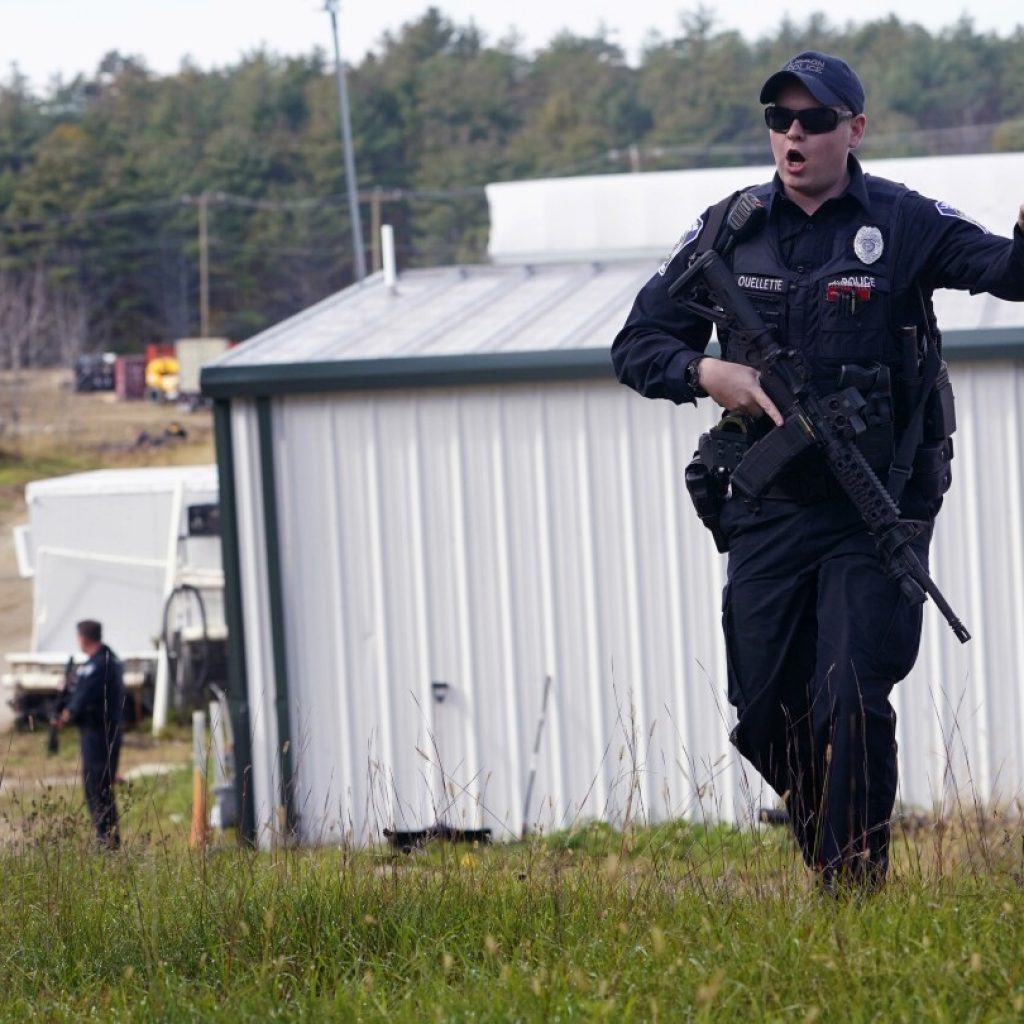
x=814 y=120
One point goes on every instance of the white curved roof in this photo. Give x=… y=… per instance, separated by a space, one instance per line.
x=642 y=215
x=599 y=216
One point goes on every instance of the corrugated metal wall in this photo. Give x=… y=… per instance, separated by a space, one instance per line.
x=487 y=538
x=961 y=728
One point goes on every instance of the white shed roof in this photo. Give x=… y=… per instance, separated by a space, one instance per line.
x=456 y=311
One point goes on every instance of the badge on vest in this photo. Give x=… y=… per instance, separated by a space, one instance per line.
x=867 y=244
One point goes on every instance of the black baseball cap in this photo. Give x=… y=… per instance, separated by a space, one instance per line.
x=828 y=79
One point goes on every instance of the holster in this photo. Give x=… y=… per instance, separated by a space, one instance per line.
x=933 y=474
x=877 y=440
x=719 y=452
x=939 y=411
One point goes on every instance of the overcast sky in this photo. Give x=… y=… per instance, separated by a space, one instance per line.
x=48 y=37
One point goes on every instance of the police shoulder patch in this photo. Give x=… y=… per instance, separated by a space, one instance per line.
x=948 y=210
x=691 y=234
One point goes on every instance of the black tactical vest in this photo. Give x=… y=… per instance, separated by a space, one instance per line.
x=841 y=312
x=843 y=316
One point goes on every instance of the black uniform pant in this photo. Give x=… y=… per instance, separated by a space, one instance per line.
x=816 y=637
x=101 y=750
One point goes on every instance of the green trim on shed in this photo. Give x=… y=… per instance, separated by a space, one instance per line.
x=988 y=343
x=238 y=677
x=406 y=372
x=275 y=598
x=481 y=368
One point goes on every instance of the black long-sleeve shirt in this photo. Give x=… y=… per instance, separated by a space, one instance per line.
x=98 y=697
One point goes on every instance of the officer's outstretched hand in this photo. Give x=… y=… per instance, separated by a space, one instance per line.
x=1020 y=218
x=737 y=388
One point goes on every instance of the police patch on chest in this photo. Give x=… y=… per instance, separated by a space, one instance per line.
x=867 y=244
x=850 y=291
x=759 y=283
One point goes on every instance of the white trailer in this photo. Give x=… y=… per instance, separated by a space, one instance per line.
x=139 y=550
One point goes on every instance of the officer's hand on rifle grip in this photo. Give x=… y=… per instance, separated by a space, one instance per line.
x=737 y=388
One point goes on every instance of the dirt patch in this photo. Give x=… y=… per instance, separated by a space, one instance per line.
x=24 y=762
x=47 y=429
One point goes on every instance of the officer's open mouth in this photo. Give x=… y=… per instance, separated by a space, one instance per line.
x=794 y=156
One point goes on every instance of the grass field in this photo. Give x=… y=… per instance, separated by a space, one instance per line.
x=672 y=923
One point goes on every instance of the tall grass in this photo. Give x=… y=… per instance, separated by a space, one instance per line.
x=676 y=922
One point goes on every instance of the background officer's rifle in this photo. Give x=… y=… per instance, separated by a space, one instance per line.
x=59 y=703
x=830 y=423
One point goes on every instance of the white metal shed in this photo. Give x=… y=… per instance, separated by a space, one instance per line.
x=437 y=490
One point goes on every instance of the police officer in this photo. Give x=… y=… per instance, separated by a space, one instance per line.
x=97 y=707
x=843 y=270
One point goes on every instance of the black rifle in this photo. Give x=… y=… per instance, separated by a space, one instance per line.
x=830 y=423
x=59 y=703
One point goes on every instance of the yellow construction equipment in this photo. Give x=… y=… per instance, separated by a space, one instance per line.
x=162 y=379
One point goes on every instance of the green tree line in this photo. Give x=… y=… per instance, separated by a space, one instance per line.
x=100 y=178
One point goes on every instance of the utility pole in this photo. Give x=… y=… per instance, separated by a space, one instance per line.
x=331 y=6
x=204 y=264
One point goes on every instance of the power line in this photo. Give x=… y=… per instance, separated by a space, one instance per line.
x=245 y=202
x=969 y=138
x=100 y=213
x=257 y=250
x=389 y=194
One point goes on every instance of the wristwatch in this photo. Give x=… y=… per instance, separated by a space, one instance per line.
x=691 y=377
